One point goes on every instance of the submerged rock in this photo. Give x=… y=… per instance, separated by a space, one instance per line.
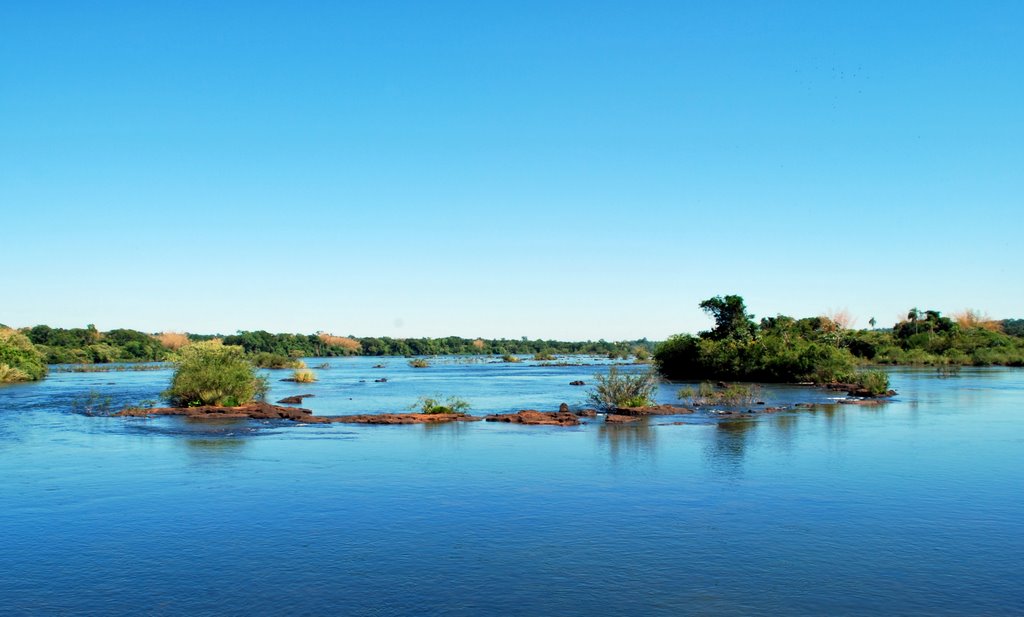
x=577 y=383
x=853 y=389
x=294 y=400
x=614 y=418
x=653 y=410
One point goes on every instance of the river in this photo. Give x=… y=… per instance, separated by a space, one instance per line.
x=915 y=507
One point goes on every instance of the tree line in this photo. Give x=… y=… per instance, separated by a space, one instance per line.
x=821 y=349
x=89 y=345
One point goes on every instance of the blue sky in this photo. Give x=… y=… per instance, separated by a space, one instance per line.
x=560 y=170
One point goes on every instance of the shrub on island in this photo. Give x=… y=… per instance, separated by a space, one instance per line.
x=304 y=376
x=212 y=373
x=732 y=395
x=431 y=405
x=874 y=382
x=615 y=389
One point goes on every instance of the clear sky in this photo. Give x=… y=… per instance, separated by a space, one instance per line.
x=572 y=170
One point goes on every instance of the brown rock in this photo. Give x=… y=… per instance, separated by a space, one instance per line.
x=587 y=413
x=655 y=410
x=533 y=417
x=403 y=418
x=577 y=383
x=256 y=411
x=563 y=408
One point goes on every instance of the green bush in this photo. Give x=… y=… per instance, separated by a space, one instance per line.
x=211 y=373
x=430 y=405
x=617 y=389
x=419 y=363
x=19 y=359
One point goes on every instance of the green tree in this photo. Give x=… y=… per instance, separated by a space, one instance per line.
x=731 y=318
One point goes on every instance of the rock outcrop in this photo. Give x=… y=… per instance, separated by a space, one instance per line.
x=404 y=418
x=531 y=416
x=255 y=411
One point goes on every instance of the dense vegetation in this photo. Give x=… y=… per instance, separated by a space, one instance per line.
x=19 y=358
x=779 y=349
x=928 y=338
x=88 y=345
x=322 y=345
x=211 y=373
x=821 y=349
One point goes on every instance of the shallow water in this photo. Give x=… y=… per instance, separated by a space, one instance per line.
x=910 y=508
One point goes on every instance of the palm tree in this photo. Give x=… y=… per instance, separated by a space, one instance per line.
x=913 y=316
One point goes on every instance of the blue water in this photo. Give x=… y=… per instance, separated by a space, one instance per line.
x=912 y=508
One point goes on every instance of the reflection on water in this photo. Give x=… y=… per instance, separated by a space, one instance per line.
x=729 y=440
x=452 y=431
x=835 y=418
x=215 y=446
x=635 y=440
x=784 y=429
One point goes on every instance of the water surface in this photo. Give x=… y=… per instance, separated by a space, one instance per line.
x=910 y=508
